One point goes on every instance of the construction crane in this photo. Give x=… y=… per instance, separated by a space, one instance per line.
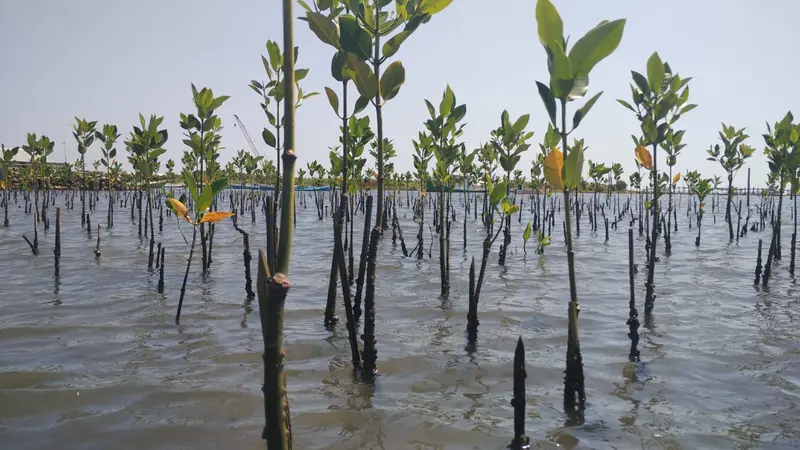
x=247 y=136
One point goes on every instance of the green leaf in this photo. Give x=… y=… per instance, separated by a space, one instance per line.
x=594 y=46
x=549 y=101
x=361 y=103
x=497 y=194
x=392 y=79
x=687 y=108
x=626 y=104
x=561 y=75
x=527 y=233
x=521 y=123
x=353 y=39
x=324 y=28
x=365 y=80
x=641 y=82
x=583 y=110
x=393 y=44
x=448 y=100
x=458 y=113
x=655 y=73
x=433 y=6
x=191 y=184
x=218 y=185
x=339 y=69
x=333 y=99
x=204 y=201
x=551 y=28
x=649 y=130
x=269 y=138
x=574 y=167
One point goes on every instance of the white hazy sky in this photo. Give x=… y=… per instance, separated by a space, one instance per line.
x=109 y=60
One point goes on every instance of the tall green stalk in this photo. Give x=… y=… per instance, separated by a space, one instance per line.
x=569 y=80
x=272 y=288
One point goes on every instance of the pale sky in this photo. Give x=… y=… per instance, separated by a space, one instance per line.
x=109 y=60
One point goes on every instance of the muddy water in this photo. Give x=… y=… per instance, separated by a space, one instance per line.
x=95 y=361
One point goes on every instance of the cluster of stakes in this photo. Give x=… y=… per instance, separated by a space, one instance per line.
x=364 y=35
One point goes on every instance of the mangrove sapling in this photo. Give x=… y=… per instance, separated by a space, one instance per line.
x=701 y=188
x=672 y=145
x=147 y=144
x=8 y=155
x=510 y=142
x=109 y=138
x=499 y=202
x=659 y=101
x=202 y=201
x=597 y=171
x=361 y=35
x=731 y=158
x=569 y=81
x=783 y=160
x=272 y=91
x=423 y=153
x=202 y=130
x=84 y=133
x=273 y=286
x=444 y=130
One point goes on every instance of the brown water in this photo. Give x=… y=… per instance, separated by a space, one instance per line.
x=95 y=360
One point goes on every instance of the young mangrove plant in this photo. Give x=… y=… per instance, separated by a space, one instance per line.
x=783 y=159
x=273 y=286
x=444 y=128
x=700 y=187
x=672 y=145
x=273 y=92
x=202 y=131
x=361 y=35
x=8 y=155
x=84 y=132
x=569 y=80
x=147 y=144
x=510 y=142
x=498 y=201
x=659 y=100
x=732 y=158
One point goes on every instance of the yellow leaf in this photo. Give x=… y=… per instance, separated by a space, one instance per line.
x=644 y=158
x=676 y=178
x=181 y=209
x=553 y=165
x=702 y=205
x=216 y=216
x=3 y=185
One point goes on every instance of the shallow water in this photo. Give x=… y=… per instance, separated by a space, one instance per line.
x=95 y=360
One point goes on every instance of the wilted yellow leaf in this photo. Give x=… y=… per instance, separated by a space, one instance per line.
x=553 y=165
x=181 y=209
x=643 y=156
x=702 y=205
x=216 y=216
x=676 y=178
x=3 y=185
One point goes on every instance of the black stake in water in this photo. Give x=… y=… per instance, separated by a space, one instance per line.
x=633 y=314
x=521 y=441
x=161 y=252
